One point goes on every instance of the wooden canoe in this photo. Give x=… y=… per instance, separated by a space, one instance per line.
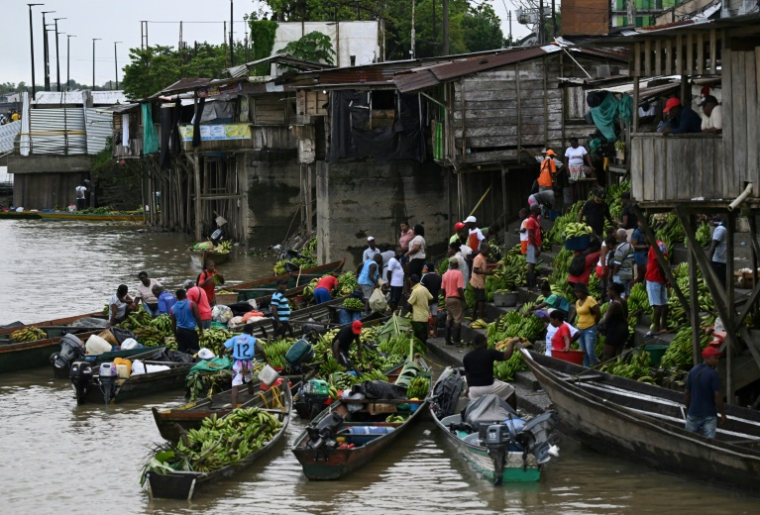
x=199 y=257
x=143 y=384
x=21 y=356
x=192 y=414
x=66 y=215
x=333 y=463
x=184 y=485
x=297 y=281
x=55 y=322
x=645 y=423
x=516 y=470
x=106 y=357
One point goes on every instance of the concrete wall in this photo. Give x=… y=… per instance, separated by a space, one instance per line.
x=44 y=182
x=271 y=180
x=360 y=199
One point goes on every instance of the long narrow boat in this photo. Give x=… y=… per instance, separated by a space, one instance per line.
x=47 y=323
x=184 y=485
x=15 y=357
x=645 y=423
x=502 y=461
x=316 y=447
x=106 y=357
x=199 y=257
x=138 y=385
x=66 y=215
x=192 y=414
x=296 y=281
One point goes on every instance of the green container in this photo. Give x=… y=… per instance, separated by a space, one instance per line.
x=656 y=352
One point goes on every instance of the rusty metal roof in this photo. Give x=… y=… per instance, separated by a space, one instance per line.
x=283 y=59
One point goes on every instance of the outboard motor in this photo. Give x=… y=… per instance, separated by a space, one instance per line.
x=80 y=374
x=535 y=437
x=324 y=432
x=107 y=375
x=72 y=349
x=311 y=398
x=497 y=440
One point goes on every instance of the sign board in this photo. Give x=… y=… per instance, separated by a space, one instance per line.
x=224 y=132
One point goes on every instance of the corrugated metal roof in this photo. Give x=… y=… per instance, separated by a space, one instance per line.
x=284 y=59
x=77 y=97
x=99 y=127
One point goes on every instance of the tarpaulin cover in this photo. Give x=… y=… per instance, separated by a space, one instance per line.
x=378 y=390
x=350 y=114
x=150 y=141
x=488 y=408
x=606 y=114
x=212 y=365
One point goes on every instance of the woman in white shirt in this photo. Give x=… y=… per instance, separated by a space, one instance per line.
x=416 y=253
x=576 y=156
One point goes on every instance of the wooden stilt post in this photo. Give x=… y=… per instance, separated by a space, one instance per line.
x=730 y=309
x=198 y=221
x=309 y=206
x=694 y=304
x=504 y=203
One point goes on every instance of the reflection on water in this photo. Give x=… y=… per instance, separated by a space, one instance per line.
x=59 y=458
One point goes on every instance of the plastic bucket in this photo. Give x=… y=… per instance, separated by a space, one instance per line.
x=656 y=352
x=578 y=242
x=571 y=356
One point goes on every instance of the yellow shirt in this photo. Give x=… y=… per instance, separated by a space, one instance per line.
x=15 y=117
x=419 y=300
x=586 y=318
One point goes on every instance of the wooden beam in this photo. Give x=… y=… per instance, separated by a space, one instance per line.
x=661 y=259
x=635 y=109
x=648 y=58
x=690 y=53
x=730 y=309
x=700 y=53
x=713 y=52
x=680 y=58
x=669 y=57
x=658 y=57
x=696 y=344
x=198 y=220
x=637 y=60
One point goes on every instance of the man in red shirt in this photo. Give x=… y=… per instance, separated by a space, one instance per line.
x=657 y=290
x=452 y=287
x=590 y=260
x=197 y=295
x=324 y=289
x=533 y=228
x=208 y=280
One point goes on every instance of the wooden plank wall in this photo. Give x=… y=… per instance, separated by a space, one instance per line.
x=678 y=167
x=271 y=110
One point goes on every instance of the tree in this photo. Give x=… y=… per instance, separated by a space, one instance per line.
x=314 y=46
x=482 y=29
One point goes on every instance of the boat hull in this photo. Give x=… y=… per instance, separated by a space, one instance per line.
x=296 y=282
x=633 y=434
x=144 y=384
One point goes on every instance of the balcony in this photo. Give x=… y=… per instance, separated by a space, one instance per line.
x=218 y=137
x=681 y=167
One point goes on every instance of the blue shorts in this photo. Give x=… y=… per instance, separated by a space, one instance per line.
x=321 y=295
x=658 y=294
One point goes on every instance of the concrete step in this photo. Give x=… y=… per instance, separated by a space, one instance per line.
x=528 y=380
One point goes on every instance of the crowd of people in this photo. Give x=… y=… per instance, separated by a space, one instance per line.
x=11 y=116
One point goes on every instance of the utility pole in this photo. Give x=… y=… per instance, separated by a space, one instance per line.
x=541 y=28
x=116 y=63
x=631 y=7
x=412 y=53
x=554 y=19
x=68 y=60
x=46 y=53
x=232 y=46
x=509 y=17
x=31 y=42
x=93 y=61
x=435 y=34
x=445 y=27
x=57 y=55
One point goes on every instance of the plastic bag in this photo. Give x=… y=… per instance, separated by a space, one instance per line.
x=377 y=301
x=205 y=353
x=138 y=367
x=221 y=314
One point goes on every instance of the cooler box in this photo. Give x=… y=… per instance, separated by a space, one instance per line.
x=362 y=435
x=299 y=352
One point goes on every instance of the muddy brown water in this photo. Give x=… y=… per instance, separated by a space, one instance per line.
x=59 y=458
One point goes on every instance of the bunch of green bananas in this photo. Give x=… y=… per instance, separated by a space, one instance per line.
x=347 y=283
x=355 y=304
x=136 y=319
x=372 y=375
x=329 y=367
x=575 y=229
x=418 y=388
x=342 y=380
x=703 y=234
x=170 y=342
x=163 y=323
x=28 y=334
x=219 y=441
x=512 y=273
x=203 y=383
x=395 y=419
x=399 y=346
x=106 y=309
x=638 y=366
x=479 y=324
x=443 y=266
x=150 y=336
x=213 y=339
x=279 y=267
x=506 y=370
x=679 y=353
x=224 y=247
x=558 y=229
x=514 y=324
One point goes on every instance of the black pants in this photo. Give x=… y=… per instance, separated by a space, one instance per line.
x=720 y=271
x=415 y=267
x=396 y=296
x=81 y=204
x=279 y=332
x=187 y=340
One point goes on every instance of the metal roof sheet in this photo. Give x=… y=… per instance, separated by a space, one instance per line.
x=76 y=97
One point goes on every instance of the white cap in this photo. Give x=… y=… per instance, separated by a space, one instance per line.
x=370 y=238
x=470 y=219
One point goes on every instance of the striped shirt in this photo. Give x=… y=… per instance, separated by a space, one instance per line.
x=280 y=301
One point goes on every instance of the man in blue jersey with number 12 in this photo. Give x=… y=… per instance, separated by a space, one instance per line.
x=244 y=347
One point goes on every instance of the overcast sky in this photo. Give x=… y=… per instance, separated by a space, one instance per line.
x=120 y=21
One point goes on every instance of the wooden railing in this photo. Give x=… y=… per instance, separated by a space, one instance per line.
x=679 y=167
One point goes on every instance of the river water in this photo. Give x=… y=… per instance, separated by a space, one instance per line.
x=59 y=458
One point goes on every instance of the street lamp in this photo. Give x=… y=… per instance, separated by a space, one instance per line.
x=68 y=60
x=57 y=55
x=116 y=61
x=93 y=61
x=31 y=42
x=46 y=52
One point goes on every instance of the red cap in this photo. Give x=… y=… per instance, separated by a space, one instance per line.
x=671 y=103
x=711 y=350
x=458 y=226
x=356 y=327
